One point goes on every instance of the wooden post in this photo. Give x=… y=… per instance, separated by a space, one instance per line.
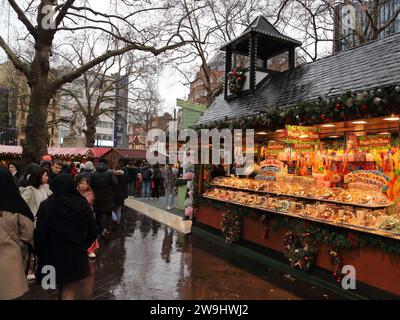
x=253 y=55
x=292 y=58
x=228 y=68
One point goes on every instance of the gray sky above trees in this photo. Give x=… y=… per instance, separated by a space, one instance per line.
x=170 y=80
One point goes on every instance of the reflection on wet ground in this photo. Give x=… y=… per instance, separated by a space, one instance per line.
x=146 y=260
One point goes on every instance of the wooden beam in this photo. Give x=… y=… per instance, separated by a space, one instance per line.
x=228 y=68
x=253 y=55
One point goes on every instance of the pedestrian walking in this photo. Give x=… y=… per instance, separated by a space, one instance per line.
x=16 y=232
x=146 y=178
x=87 y=170
x=37 y=189
x=132 y=177
x=34 y=194
x=23 y=181
x=56 y=169
x=120 y=192
x=65 y=229
x=169 y=185
x=85 y=191
x=103 y=183
x=157 y=181
x=15 y=172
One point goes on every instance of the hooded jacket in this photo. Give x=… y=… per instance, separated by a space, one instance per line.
x=103 y=183
x=121 y=191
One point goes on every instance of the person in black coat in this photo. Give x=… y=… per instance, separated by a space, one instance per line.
x=65 y=229
x=103 y=183
x=120 y=192
x=158 y=181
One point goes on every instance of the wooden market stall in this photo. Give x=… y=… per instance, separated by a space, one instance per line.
x=324 y=191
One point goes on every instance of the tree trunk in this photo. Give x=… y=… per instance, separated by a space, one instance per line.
x=90 y=132
x=36 y=131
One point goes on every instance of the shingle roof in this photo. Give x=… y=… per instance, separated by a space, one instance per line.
x=373 y=65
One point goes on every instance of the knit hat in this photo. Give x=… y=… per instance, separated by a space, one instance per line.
x=88 y=166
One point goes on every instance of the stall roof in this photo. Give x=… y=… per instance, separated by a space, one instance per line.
x=54 y=151
x=373 y=65
x=130 y=153
x=99 y=152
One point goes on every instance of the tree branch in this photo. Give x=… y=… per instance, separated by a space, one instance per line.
x=14 y=58
x=23 y=18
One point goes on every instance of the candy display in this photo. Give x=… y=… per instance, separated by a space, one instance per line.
x=346 y=215
x=305 y=187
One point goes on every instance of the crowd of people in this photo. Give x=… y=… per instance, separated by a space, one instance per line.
x=53 y=214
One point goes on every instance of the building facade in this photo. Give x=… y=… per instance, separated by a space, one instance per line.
x=14 y=107
x=351 y=20
x=198 y=92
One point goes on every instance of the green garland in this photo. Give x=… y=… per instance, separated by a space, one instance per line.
x=300 y=249
x=349 y=106
x=335 y=238
x=231 y=226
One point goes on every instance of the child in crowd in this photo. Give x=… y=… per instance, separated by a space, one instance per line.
x=85 y=190
x=189 y=206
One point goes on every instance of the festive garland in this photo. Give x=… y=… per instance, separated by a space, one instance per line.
x=300 y=249
x=336 y=239
x=236 y=79
x=349 y=106
x=337 y=262
x=231 y=226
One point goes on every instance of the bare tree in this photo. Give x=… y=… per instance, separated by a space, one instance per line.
x=133 y=25
x=209 y=24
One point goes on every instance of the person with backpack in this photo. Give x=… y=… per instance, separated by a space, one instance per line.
x=146 y=178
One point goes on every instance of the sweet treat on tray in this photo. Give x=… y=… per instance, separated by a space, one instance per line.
x=368 y=196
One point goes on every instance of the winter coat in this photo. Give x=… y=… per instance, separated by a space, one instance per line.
x=89 y=196
x=65 y=229
x=33 y=197
x=157 y=175
x=121 y=191
x=132 y=174
x=103 y=183
x=84 y=174
x=169 y=181
x=146 y=174
x=67 y=255
x=13 y=281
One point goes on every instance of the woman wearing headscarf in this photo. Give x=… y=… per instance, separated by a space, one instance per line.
x=16 y=228
x=65 y=229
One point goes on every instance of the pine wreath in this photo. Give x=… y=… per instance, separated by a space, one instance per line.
x=236 y=79
x=231 y=226
x=300 y=249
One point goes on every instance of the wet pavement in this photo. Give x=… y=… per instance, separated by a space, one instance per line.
x=146 y=260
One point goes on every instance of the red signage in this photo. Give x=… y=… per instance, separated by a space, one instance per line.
x=301 y=133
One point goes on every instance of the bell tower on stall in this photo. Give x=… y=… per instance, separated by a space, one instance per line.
x=255 y=54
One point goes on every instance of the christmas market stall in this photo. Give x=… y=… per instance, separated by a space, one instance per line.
x=325 y=188
x=116 y=155
x=13 y=153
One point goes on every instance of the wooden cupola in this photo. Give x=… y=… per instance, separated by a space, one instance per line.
x=251 y=51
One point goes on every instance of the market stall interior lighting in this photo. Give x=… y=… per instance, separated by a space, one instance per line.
x=262 y=133
x=333 y=137
x=392 y=118
x=329 y=125
x=279 y=130
x=359 y=122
